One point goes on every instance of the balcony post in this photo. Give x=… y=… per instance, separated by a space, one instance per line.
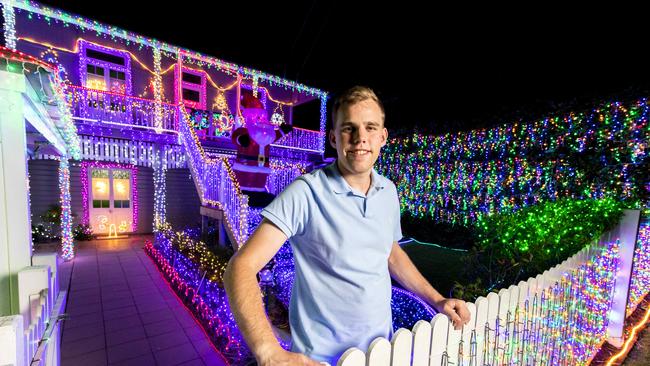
x=15 y=221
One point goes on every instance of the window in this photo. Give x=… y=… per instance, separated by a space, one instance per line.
x=193 y=88
x=100 y=188
x=117 y=82
x=101 y=204
x=97 y=55
x=190 y=78
x=95 y=78
x=96 y=70
x=103 y=68
x=192 y=95
x=121 y=203
x=119 y=75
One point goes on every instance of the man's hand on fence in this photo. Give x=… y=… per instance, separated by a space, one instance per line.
x=280 y=357
x=456 y=310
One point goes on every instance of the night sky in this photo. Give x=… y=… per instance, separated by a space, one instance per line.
x=438 y=68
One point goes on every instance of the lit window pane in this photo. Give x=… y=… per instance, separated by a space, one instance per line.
x=100 y=185
x=95 y=82
x=121 y=184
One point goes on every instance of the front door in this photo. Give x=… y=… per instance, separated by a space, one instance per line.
x=111 y=207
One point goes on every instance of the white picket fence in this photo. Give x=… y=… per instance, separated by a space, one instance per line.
x=32 y=337
x=560 y=317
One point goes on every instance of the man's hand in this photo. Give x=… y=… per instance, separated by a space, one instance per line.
x=456 y=310
x=280 y=357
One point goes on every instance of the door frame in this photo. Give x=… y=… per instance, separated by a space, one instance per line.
x=86 y=167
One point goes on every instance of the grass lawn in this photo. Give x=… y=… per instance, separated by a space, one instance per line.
x=440 y=266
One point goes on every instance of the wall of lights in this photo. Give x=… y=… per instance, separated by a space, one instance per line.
x=189 y=265
x=196 y=274
x=459 y=177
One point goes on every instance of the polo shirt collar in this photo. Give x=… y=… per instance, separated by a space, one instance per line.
x=339 y=185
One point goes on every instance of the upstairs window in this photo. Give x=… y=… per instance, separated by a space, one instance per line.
x=104 y=68
x=192 y=89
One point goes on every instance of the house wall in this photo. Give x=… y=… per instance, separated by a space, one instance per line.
x=182 y=200
x=44 y=192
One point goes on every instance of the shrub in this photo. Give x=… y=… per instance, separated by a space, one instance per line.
x=512 y=247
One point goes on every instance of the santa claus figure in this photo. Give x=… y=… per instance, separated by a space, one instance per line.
x=253 y=142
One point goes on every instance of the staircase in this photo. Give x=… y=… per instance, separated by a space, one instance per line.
x=216 y=184
x=218 y=188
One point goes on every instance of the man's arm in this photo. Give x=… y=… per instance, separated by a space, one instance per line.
x=404 y=271
x=245 y=298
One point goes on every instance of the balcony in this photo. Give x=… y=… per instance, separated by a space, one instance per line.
x=120 y=110
x=123 y=111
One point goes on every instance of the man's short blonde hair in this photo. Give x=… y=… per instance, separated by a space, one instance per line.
x=352 y=96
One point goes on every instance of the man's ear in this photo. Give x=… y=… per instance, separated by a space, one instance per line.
x=332 y=138
x=384 y=137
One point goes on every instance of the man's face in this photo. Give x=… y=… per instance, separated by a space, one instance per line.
x=358 y=135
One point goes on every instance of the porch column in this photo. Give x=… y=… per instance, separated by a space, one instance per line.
x=159 y=187
x=15 y=220
x=67 y=239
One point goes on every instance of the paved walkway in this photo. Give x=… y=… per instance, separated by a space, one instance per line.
x=122 y=312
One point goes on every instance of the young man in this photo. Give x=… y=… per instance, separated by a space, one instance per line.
x=343 y=223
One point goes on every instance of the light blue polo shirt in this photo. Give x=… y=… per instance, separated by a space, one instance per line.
x=341 y=241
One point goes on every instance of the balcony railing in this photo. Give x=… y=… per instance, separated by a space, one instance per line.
x=129 y=111
x=302 y=139
x=120 y=109
x=212 y=126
